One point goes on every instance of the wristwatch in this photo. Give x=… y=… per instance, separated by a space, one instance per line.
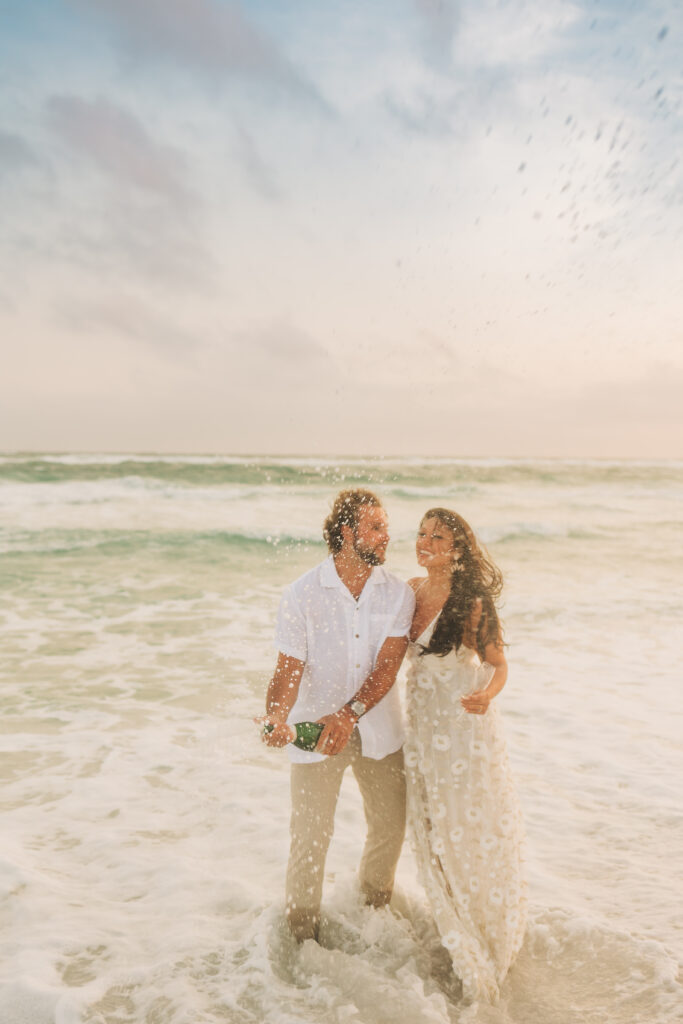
x=357 y=706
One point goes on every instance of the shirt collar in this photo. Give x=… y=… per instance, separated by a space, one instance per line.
x=329 y=577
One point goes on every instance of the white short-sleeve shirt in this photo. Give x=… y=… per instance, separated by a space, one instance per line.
x=320 y=623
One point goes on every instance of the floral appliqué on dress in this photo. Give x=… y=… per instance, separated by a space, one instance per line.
x=465 y=820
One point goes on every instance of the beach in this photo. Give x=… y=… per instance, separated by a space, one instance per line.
x=145 y=827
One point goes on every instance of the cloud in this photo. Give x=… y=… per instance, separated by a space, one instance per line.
x=280 y=349
x=208 y=37
x=113 y=203
x=440 y=21
x=472 y=75
x=126 y=316
x=120 y=146
x=128 y=241
x=259 y=174
x=423 y=115
x=16 y=154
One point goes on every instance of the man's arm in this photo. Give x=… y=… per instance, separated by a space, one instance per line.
x=282 y=693
x=340 y=725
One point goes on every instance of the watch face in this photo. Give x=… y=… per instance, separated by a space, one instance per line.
x=358 y=707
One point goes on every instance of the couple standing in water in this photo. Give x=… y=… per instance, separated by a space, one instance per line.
x=343 y=630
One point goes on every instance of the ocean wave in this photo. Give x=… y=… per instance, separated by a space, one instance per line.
x=424 y=492
x=62 y=540
x=405 y=477
x=514 y=532
x=109 y=542
x=122 y=489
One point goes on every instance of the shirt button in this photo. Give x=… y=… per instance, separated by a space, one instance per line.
x=357 y=635
x=358 y=666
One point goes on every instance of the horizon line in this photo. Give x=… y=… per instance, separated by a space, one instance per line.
x=179 y=453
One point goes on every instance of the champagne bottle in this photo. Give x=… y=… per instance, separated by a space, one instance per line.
x=306 y=736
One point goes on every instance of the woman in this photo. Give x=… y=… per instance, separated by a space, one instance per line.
x=465 y=819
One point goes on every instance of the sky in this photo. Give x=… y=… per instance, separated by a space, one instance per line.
x=425 y=227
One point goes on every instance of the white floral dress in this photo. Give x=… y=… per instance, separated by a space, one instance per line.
x=464 y=816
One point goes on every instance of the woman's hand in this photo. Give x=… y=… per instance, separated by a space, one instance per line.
x=477 y=703
x=275 y=733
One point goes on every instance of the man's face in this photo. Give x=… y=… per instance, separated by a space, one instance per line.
x=371 y=536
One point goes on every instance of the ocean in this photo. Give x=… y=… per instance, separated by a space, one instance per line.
x=144 y=827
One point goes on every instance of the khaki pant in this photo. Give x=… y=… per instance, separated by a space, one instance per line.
x=315 y=789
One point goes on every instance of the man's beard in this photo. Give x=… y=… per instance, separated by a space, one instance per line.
x=368 y=555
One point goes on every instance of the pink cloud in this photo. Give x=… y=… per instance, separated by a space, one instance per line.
x=206 y=36
x=120 y=146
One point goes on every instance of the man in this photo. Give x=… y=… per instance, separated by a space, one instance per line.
x=341 y=635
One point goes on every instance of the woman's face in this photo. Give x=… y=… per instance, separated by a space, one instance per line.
x=434 y=545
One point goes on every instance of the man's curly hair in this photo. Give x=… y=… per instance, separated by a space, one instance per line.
x=345 y=512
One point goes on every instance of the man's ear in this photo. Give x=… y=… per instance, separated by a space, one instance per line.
x=347 y=534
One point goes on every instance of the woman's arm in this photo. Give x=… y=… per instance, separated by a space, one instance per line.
x=478 y=703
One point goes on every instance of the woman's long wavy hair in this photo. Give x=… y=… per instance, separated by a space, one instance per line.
x=476 y=577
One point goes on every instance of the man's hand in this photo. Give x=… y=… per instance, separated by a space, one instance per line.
x=337 y=731
x=275 y=733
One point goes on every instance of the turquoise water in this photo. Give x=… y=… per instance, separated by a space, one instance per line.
x=145 y=828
